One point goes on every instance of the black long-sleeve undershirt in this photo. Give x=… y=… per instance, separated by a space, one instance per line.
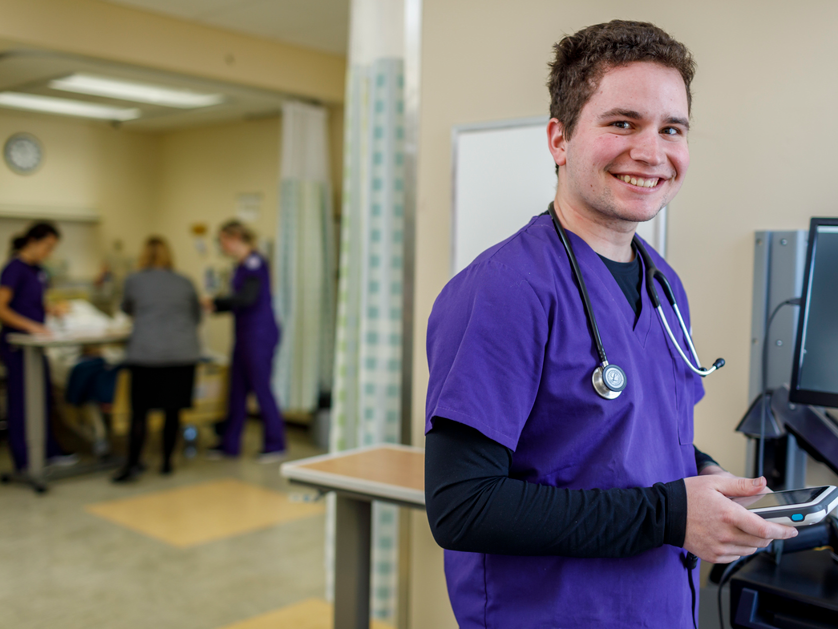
x=703 y=460
x=473 y=505
x=244 y=297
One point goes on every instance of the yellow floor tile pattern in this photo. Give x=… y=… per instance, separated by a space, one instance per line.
x=189 y=516
x=312 y=613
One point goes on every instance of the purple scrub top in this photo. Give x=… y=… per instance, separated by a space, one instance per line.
x=255 y=324
x=28 y=283
x=511 y=354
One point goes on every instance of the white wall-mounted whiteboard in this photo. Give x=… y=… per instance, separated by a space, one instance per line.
x=503 y=176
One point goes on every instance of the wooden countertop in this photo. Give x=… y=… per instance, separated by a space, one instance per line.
x=385 y=472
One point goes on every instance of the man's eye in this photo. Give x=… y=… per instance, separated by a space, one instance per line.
x=622 y=124
x=670 y=131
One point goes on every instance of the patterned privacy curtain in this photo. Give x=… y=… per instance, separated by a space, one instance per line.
x=304 y=265
x=367 y=384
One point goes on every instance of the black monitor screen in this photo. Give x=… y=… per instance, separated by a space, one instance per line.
x=815 y=373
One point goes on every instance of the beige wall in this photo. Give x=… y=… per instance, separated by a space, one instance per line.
x=762 y=140
x=89 y=166
x=155 y=183
x=202 y=172
x=118 y=33
x=143 y=183
x=165 y=183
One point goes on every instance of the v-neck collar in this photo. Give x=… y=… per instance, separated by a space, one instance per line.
x=637 y=325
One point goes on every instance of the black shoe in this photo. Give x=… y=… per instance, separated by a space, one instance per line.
x=127 y=475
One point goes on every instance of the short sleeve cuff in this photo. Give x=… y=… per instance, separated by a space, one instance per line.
x=676 y=513
x=506 y=440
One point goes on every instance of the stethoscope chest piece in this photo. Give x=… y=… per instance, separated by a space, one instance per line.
x=609 y=381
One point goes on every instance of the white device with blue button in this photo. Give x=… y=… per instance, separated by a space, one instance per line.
x=794 y=507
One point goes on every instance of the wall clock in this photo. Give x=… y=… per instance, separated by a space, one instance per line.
x=23 y=153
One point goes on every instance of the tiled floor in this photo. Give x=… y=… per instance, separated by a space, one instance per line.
x=204 y=512
x=218 y=544
x=308 y=614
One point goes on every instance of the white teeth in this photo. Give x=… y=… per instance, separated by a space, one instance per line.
x=638 y=181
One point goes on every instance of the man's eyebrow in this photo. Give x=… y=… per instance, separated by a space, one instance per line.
x=621 y=113
x=617 y=112
x=681 y=121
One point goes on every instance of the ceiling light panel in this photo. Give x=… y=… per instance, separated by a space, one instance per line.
x=66 y=107
x=136 y=92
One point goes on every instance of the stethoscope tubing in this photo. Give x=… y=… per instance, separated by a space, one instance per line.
x=652 y=273
x=699 y=370
x=688 y=337
x=589 y=311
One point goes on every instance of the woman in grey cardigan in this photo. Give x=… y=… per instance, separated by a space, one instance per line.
x=162 y=351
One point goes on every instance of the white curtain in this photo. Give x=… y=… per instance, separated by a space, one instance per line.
x=367 y=383
x=304 y=265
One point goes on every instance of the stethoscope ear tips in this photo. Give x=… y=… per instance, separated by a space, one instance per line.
x=609 y=381
x=720 y=362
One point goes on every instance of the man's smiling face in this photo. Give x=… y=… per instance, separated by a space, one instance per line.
x=628 y=153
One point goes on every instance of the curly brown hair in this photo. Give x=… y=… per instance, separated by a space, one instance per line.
x=583 y=58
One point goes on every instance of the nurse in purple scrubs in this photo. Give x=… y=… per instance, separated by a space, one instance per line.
x=257 y=338
x=23 y=284
x=561 y=504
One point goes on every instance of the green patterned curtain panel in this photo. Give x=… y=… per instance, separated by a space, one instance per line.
x=305 y=261
x=368 y=357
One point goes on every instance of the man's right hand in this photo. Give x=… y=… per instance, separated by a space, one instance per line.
x=718 y=529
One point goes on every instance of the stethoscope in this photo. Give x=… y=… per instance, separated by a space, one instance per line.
x=610 y=380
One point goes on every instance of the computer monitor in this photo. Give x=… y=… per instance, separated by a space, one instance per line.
x=814 y=377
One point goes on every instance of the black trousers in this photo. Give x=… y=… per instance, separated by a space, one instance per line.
x=139 y=428
x=168 y=388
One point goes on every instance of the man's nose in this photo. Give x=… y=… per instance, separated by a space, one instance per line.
x=648 y=148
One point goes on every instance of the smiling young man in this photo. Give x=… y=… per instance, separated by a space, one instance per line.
x=558 y=507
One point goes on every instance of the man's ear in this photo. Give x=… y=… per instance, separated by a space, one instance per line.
x=556 y=141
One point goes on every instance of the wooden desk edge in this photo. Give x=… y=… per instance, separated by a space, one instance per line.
x=299 y=472
x=31 y=340
x=373 y=490
x=330 y=456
